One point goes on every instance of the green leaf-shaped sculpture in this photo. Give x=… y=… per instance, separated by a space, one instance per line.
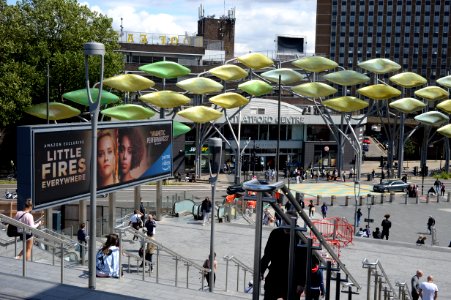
x=129 y=82
x=445 y=130
x=179 y=129
x=445 y=106
x=165 y=69
x=314 y=89
x=407 y=105
x=255 y=61
x=165 y=99
x=128 y=112
x=408 y=79
x=200 y=85
x=445 y=81
x=346 y=78
x=255 y=87
x=380 y=65
x=228 y=72
x=345 y=104
x=287 y=76
x=315 y=64
x=57 y=111
x=200 y=114
x=432 y=93
x=379 y=92
x=432 y=118
x=81 y=97
x=229 y=100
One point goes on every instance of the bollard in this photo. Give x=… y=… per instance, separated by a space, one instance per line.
x=372 y=199
x=438 y=198
x=382 y=198
x=417 y=199
x=360 y=200
x=347 y=200
x=318 y=199
x=392 y=197
x=405 y=199
x=427 y=198
x=333 y=198
x=449 y=196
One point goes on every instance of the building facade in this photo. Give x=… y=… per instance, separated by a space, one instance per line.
x=413 y=33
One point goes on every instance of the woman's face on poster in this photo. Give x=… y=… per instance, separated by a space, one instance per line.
x=125 y=155
x=105 y=156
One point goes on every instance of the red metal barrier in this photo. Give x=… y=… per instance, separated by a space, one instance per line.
x=338 y=232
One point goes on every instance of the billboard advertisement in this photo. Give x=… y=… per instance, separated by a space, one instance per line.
x=128 y=154
x=290 y=44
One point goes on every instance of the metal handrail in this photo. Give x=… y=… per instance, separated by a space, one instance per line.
x=239 y=264
x=177 y=257
x=40 y=234
x=386 y=278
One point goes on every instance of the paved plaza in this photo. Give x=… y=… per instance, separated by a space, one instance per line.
x=399 y=256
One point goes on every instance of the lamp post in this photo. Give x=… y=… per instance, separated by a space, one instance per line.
x=93 y=49
x=215 y=149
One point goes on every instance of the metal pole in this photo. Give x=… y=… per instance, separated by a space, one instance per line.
x=257 y=246
x=401 y=145
x=278 y=129
x=291 y=252
x=212 y=239
x=328 y=278
x=93 y=48
x=62 y=262
x=48 y=92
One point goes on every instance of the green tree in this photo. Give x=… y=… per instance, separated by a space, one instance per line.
x=37 y=33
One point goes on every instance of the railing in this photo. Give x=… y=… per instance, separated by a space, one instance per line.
x=318 y=235
x=122 y=230
x=43 y=237
x=382 y=285
x=239 y=265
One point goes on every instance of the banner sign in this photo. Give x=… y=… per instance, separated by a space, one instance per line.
x=128 y=153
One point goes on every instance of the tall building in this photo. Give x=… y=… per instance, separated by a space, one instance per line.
x=415 y=34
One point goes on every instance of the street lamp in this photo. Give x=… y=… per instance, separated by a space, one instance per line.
x=93 y=49
x=215 y=149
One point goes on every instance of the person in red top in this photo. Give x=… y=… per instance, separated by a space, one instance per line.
x=25 y=216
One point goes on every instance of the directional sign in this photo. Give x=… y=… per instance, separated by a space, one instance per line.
x=369 y=220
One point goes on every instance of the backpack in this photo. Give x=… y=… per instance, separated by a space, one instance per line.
x=12 y=231
x=100 y=260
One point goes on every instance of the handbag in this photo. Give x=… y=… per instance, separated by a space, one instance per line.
x=12 y=231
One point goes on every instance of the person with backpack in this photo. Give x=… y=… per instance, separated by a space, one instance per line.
x=206 y=265
x=206 y=210
x=317 y=281
x=135 y=222
x=150 y=225
x=24 y=216
x=107 y=258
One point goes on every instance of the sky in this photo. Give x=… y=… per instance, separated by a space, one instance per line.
x=258 y=22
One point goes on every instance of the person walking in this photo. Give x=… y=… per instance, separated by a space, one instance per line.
x=324 y=210
x=81 y=236
x=386 y=225
x=442 y=189
x=24 y=216
x=150 y=225
x=415 y=284
x=311 y=209
x=135 y=222
x=206 y=210
x=430 y=224
x=358 y=215
x=206 y=265
x=428 y=289
x=437 y=185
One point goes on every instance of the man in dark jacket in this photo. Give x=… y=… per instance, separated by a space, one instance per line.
x=386 y=224
x=275 y=258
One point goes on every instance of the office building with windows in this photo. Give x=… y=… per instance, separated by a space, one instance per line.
x=413 y=33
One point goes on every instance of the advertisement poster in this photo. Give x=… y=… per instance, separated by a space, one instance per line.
x=127 y=155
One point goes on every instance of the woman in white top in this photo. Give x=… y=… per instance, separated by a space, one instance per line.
x=25 y=216
x=107 y=258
